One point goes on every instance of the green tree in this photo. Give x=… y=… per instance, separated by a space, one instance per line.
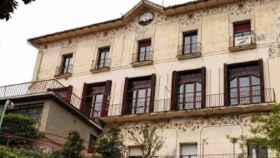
x=7 y=7
x=267 y=131
x=109 y=145
x=73 y=146
x=147 y=138
x=18 y=130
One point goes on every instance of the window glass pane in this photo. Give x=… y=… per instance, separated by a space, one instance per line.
x=244 y=81
x=255 y=80
x=256 y=90
x=233 y=83
x=233 y=93
x=189 y=88
x=198 y=86
x=233 y=101
x=188 y=151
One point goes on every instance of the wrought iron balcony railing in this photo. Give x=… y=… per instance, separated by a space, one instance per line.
x=211 y=101
x=38 y=87
x=99 y=65
x=190 y=50
x=142 y=58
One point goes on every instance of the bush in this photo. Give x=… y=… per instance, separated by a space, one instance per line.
x=73 y=146
x=20 y=126
x=109 y=145
x=14 y=153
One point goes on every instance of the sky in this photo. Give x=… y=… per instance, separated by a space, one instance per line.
x=17 y=56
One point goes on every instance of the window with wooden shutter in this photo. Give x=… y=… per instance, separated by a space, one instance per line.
x=139 y=95
x=95 y=101
x=244 y=83
x=189 y=89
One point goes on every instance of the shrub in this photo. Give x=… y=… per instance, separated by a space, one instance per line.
x=73 y=146
x=19 y=127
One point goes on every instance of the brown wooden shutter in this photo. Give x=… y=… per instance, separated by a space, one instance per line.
x=173 y=92
x=125 y=108
x=203 y=101
x=226 y=86
x=106 y=99
x=153 y=90
x=82 y=106
x=261 y=69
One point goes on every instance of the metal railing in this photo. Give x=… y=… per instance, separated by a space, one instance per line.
x=96 y=64
x=37 y=87
x=211 y=101
x=243 y=39
x=191 y=49
x=142 y=57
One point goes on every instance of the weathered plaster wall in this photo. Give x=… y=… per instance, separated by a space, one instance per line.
x=60 y=122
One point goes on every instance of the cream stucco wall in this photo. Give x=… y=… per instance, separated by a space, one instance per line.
x=214 y=30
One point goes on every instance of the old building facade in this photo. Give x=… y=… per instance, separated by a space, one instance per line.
x=196 y=71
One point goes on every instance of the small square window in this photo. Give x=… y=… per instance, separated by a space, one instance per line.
x=188 y=150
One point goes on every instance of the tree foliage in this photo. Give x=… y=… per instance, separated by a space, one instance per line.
x=73 y=146
x=7 y=7
x=147 y=138
x=15 y=128
x=109 y=145
x=267 y=131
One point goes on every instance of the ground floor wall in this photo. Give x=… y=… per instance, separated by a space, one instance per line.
x=210 y=134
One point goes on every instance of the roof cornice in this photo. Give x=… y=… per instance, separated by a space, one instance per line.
x=132 y=13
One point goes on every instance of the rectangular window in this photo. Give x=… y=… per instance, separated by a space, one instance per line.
x=103 y=58
x=92 y=141
x=256 y=151
x=190 y=44
x=188 y=150
x=245 y=84
x=135 y=152
x=242 y=33
x=189 y=89
x=144 y=50
x=95 y=99
x=67 y=64
x=138 y=95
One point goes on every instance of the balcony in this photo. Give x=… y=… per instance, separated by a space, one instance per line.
x=64 y=72
x=29 y=89
x=189 y=51
x=142 y=59
x=214 y=105
x=100 y=66
x=243 y=41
